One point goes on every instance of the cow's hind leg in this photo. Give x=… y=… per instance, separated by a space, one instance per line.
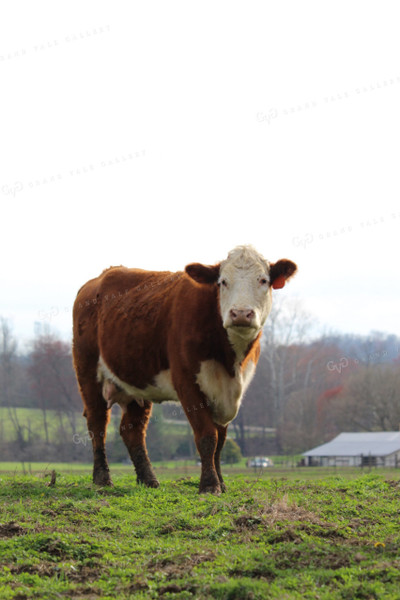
x=97 y=417
x=220 y=444
x=133 y=431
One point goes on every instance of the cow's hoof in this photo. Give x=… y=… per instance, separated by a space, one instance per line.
x=223 y=487
x=152 y=483
x=211 y=489
x=102 y=479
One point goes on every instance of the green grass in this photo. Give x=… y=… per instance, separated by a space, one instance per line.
x=31 y=419
x=275 y=537
x=174 y=469
x=31 y=422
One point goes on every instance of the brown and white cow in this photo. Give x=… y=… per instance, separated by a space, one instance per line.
x=194 y=337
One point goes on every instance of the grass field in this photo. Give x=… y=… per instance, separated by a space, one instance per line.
x=31 y=419
x=174 y=469
x=302 y=534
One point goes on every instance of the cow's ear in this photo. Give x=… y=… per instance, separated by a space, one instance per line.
x=203 y=273
x=280 y=272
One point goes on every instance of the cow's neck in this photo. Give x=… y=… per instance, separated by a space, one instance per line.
x=240 y=345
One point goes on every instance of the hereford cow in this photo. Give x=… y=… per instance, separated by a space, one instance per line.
x=193 y=337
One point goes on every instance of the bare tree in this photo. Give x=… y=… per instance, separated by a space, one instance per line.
x=8 y=378
x=53 y=380
x=370 y=400
x=287 y=328
x=295 y=376
x=42 y=393
x=287 y=363
x=240 y=431
x=298 y=430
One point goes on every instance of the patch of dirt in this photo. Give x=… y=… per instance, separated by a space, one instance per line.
x=138 y=586
x=357 y=523
x=48 y=512
x=287 y=535
x=281 y=515
x=179 y=566
x=10 y=529
x=54 y=547
x=108 y=529
x=88 y=593
x=324 y=530
x=284 y=521
x=167 y=529
x=58 y=548
x=264 y=572
x=43 y=569
x=248 y=522
x=282 y=510
x=84 y=573
x=394 y=485
x=174 y=588
x=319 y=558
x=179 y=525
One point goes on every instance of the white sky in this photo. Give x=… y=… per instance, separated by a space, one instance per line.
x=154 y=134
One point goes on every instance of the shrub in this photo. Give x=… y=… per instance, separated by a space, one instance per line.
x=231 y=452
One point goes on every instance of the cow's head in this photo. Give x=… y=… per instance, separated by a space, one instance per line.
x=245 y=280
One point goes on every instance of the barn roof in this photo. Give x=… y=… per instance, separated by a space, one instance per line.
x=377 y=443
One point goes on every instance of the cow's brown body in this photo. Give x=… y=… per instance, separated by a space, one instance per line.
x=143 y=337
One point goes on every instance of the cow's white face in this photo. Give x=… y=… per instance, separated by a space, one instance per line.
x=245 y=280
x=244 y=292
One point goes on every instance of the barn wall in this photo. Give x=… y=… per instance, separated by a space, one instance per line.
x=392 y=460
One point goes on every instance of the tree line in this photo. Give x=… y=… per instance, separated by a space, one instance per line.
x=305 y=392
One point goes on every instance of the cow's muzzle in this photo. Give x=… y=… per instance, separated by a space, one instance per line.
x=242 y=317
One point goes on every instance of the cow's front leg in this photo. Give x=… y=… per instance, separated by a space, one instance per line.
x=221 y=441
x=205 y=432
x=206 y=443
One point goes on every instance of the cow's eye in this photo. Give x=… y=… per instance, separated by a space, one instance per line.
x=263 y=281
x=224 y=283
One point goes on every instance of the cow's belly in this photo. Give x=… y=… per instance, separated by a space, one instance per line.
x=224 y=392
x=160 y=390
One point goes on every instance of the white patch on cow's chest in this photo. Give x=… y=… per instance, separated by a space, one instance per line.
x=223 y=391
x=161 y=390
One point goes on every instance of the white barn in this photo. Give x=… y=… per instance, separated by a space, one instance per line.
x=378 y=448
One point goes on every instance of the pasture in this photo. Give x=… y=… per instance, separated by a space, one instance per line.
x=281 y=534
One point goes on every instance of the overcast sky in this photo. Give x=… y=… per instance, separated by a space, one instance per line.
x=154 y=134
